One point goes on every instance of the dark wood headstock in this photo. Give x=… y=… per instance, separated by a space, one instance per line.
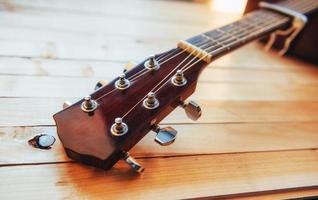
x=87 y=136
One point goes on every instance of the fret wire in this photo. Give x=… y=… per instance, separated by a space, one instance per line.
x=301 y=6
x=238 y=32
x=242 y=32
x=211 y=39
x=298 y=5
x=240 y=28
x=309 y=7
x=249 y=36
x=295 y=4
x=289 y=3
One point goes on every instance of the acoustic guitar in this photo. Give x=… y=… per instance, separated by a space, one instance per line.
x=101 y=128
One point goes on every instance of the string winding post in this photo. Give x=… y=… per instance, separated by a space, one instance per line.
x=298 y=23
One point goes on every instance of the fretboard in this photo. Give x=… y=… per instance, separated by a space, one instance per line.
x=254 y=25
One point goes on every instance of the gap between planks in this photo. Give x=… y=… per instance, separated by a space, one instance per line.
x=210 y=139
x=206 y=176
x=25 y=112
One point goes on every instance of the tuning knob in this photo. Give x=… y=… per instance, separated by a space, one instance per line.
x=122 y=83
x=192 y=109
x=132 y=163
x=152 y=63
x=178 y=79
x=100 y=84
x=88 y=105
x=119 y=128
x=165 y=136
x=151 y=102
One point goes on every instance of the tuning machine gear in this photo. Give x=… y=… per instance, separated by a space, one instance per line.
x=132 y=163
x=152 y=63
x=122 y=83
x=165 y=136
x=192 y=110
x=89 y=105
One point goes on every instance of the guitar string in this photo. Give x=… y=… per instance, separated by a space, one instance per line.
x=160 y=58
x=200 y=59
x=282 y=20
x=303 y=9
x=201 y=44
x=184 y=68
x=300 y=4
x=146 y=70
x=224 y=38
x=152 y=89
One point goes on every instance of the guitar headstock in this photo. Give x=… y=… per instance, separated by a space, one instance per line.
x=101 y=128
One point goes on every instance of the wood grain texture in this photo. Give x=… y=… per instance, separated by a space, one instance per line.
x=166 y=178
x=67 y=87
x=24 y=111
x=257 y=138
x=205 y=139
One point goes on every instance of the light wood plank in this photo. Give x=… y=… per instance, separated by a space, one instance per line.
x=31 y=86
x=165 y=21
x=116 y=50
x=168 y=178
x=296 y=193
x=208 y=139
x=263 y=103
x=67 y=68
x=71 y=22
x=152 y=11
x=39 y=111
x=109 y=70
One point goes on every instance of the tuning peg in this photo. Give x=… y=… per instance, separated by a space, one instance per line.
x=165 y=136
x=122 y=83
x=132 y=163
x=151 y=102
x=152 y=63
x=119 y=128
x=192 y=109
x=178 y=79
x=100 y=84
x=88 y=105
x=66 y=104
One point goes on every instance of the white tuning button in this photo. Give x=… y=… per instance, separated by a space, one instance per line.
x=165 y=136
x=88 y=105
x=132 y=163
x=122 y=83
x=119 y=128
x=151 y=102
x=192 y=110
x=152 y=63
x=178 y=79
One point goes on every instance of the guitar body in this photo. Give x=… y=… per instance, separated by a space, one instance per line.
x=305 y=44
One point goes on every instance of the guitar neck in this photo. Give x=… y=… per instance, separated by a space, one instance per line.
x=217 y=42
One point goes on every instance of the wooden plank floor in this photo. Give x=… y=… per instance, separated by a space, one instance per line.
x=257 y=138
